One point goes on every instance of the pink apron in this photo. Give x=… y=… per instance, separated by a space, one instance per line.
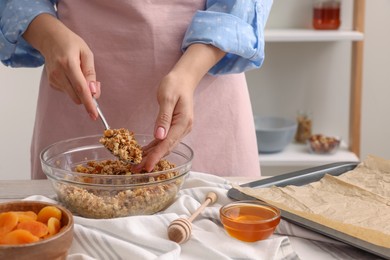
x=135 y=43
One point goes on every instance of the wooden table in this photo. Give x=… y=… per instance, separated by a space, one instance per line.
x=20 y=189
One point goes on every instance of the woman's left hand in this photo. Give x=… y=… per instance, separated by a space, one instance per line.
x=174 y=121
x=175 y=97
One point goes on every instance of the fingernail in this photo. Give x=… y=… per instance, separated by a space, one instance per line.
x=92 y=116
x=160 y=133
x=136 y=168
x=92 y=87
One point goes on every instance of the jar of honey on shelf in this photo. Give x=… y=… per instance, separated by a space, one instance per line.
x=326 y=15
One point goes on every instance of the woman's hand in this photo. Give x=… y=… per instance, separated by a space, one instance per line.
x=175 y=97
x=69 y=62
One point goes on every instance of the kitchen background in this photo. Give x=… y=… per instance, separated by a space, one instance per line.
x=313 y=76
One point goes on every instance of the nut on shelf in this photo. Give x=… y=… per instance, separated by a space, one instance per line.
x=322 y=144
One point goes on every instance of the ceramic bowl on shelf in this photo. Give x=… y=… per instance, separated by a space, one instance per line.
x=274 y=133
x=250 y=220
x=114 y=194
x=15 y=246
x=322 y=144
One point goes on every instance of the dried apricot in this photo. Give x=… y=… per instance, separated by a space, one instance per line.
x=17 y=237
x=8 y=221
x=26 y=215
x=47 y=212
x=54 y=226
x=20 y=227
x=36 y=228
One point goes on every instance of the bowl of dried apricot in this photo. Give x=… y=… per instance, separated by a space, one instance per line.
x=34 y=230
x=92 y=182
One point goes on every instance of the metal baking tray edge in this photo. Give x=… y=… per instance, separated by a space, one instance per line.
x=303 y=177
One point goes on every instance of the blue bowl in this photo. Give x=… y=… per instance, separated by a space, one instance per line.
x=274 y=133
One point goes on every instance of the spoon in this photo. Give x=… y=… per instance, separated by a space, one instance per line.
x=107 y=127
x=180 y=229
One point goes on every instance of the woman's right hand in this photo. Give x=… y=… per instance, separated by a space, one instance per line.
x=69 y=62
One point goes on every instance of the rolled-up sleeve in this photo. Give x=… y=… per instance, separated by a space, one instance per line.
x=234 y=26
x=15 y=17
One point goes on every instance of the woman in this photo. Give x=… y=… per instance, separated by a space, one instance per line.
x=188 y=53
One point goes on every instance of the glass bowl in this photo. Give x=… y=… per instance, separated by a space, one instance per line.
x=110 y=196
x=250 y=220
x=321 y=144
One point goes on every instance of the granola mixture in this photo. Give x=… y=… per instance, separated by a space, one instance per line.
x=121 y=143
x=116 y=167
x=148 y=198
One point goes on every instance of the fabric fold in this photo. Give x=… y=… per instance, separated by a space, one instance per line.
x=234 y=28
x=145 y=237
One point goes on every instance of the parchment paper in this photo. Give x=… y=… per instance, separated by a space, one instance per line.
x=356 y=203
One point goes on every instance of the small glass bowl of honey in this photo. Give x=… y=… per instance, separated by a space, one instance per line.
x=249 y=220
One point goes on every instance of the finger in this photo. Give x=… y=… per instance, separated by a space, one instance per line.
x=87 y=65
x=164 y=147
x=94 y=87
x=152 y=154
x=60 y=82
x=79 y=84
x=147 y=148
x=88 y=68
x=69 y=90
x=145 y=151
x=159 y=151
x=160 y=148
x=164 y=119
x=138 y=167
x=98 y=89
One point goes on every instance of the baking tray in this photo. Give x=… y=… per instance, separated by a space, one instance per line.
x=302 y=177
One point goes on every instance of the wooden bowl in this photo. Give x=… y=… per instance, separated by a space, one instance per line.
x=53 y=248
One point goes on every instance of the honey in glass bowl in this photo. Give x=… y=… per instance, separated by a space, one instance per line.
x=250 y=221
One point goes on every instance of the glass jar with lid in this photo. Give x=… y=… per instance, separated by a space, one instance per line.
x=304 y=128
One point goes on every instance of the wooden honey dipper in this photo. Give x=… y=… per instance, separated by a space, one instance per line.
x=180 y=229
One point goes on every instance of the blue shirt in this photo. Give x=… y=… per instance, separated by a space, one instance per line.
x=234 y=26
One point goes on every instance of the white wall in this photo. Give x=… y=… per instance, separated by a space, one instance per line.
x=376 y=80
x=309 y=76
x=18 y=96
x=303 y=86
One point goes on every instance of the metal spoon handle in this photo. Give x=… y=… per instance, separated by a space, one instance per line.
x=101 y=115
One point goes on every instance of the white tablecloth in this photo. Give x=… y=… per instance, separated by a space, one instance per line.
x=145 y=237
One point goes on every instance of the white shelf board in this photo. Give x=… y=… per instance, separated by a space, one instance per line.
x=298 y=154
x=310 y=35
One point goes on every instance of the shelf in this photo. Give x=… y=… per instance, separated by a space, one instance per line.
x=295 y=156
x=298 y=155
x=308 y=35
